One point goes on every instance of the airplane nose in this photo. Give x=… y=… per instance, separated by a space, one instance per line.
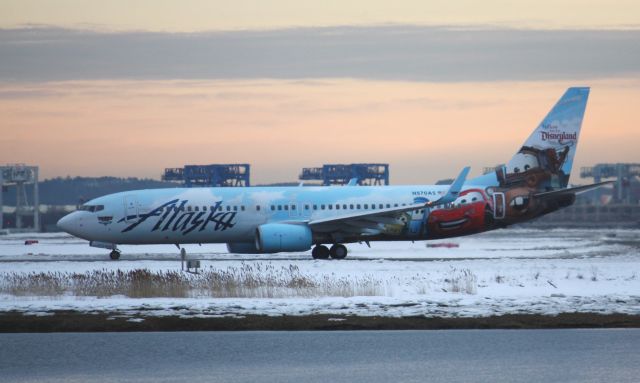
x=65 y=223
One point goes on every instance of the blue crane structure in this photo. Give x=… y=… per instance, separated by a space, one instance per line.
x=217 y=175
x=341 y=174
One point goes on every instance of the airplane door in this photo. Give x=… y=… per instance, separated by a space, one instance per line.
x=417 y=221
x=498 y=205
x=130 y=208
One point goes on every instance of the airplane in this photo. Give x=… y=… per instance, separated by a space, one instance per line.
x=263 y=220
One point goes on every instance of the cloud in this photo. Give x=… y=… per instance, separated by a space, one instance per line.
x=406 y=53
x=16 y=94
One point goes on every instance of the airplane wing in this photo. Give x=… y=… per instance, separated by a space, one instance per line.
x=372 y=222
x=574 y=190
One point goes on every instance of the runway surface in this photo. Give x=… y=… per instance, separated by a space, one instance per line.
x=362 y=356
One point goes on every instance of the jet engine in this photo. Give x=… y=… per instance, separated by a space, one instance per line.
x=276 y=237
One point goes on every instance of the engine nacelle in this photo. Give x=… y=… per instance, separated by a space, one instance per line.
x=276 y=237
x=243 y=248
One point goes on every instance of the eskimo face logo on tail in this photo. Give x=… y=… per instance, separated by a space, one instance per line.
x=172 y=216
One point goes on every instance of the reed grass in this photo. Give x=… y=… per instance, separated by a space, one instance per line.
x=257 y=280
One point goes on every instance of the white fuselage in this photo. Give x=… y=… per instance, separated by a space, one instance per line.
x=223 y=215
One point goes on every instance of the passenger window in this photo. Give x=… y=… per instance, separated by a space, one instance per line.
x=273 y=207
x=380 y=206
x=242 y=207
x=322 y=207
x=373 y=205
x=395 y=205
x=366 y=205
x=306 y=207
x=228 y=208
x=358 y=206
x=344 y=206
x=351 y=206
x=279 y=207
x=196 y=208
x=235 y=208
x=388 y=205
x=293 y=207
x=337 y=206
x=257 y=207
x=286 y=207
x=330 y=206
x=315 y=207
x=188 y=208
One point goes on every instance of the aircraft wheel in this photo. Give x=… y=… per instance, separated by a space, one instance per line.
x=320 y=252
x=115 y=255
x=338 y=251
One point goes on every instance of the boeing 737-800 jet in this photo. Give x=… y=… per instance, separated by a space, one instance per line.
x=287 y=219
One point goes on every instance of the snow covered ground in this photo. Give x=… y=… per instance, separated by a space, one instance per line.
x=502 y=272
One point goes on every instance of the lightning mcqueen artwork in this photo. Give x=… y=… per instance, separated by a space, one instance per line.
x=470 y=213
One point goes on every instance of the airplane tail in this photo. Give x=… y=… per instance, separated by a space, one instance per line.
x=544 y=161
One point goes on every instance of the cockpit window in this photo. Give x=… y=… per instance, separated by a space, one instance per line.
x=91 y=208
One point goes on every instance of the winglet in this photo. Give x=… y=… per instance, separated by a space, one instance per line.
x=353 y=182
x=454 y=189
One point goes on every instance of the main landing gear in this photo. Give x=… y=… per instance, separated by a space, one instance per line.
x=337 y=251
x=114 y=255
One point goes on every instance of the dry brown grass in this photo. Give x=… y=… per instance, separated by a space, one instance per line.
x=462 y=281
x=246 y=281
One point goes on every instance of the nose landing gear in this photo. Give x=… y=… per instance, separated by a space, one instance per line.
x=114 y=255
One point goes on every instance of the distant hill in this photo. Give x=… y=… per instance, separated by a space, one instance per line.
x=72 y=191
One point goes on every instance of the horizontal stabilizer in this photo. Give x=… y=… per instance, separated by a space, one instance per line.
x=574 y=190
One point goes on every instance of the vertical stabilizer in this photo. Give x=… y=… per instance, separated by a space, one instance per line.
x=545 y=159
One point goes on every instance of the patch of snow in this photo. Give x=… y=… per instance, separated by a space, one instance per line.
x=503 y=272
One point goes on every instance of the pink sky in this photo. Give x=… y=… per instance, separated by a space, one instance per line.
x=426 y=131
